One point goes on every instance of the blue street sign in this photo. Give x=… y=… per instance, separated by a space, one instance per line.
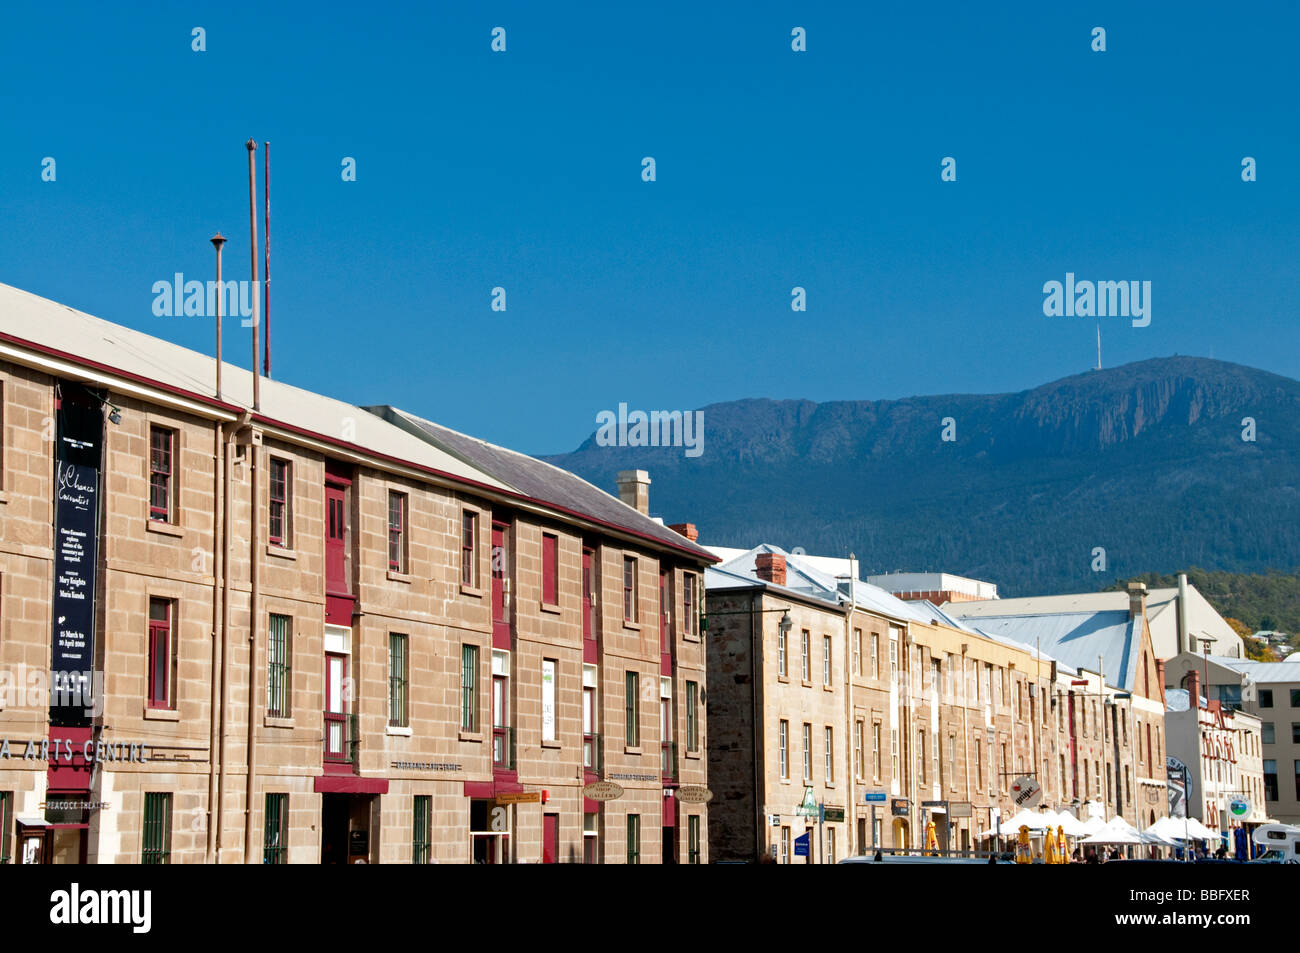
x=801 y=845
x=874 y=797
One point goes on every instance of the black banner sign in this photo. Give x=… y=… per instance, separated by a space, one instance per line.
x=76 y=535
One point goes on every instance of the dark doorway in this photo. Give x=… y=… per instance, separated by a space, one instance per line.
x=334 y=814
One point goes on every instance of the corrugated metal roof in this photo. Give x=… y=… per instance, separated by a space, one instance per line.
x=1075 y=638
x=1261 y=672
x=537 y=479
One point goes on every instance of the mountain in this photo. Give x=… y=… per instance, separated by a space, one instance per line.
x=1146 y=461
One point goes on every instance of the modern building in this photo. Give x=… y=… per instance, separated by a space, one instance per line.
x=830 y=692
x=1270 y=691
x=289 y=629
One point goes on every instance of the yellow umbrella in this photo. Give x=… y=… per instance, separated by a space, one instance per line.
x=1049 y=847
x=1060 y=845
x=932 y=839
x=1024 y=853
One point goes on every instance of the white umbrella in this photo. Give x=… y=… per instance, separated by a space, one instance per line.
x=1113 y=835
x=1073 y=826
x=1199 y=831
x=1092 y=825
x=1168 y=828
x=1025 y=818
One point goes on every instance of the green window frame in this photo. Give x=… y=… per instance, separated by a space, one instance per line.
x=398 y=716
x=631 y=708
x=634 y=838
x=157 y=847
x=692 y=716
x=469 y=688
x=275 y=842
x=693 y=839
x=6 y=826
x=421 y=827
x=278 y=645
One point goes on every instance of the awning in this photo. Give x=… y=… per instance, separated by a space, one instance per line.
x=349 y=784
x=30 y=820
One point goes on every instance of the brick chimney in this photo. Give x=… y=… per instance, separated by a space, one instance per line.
x=1194 y=688
x=1137 y=599
x=634 y=490
x=770 y=567
x=1160 y=675
x=686 y=529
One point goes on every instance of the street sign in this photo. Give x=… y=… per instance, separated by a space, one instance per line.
x=874 y=797
x=774 y=820
x=957 y=809
x=801 y=845
x=524 y=797
x=1026 y=792
x=834 y=815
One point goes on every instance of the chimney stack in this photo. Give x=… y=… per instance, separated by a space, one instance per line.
x=686 y=529
x=770 y=567
x=1194 y=687
x=1137 y=599
x=1183 y=644
x=634 y=490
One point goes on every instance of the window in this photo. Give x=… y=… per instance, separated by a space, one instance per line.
x=875 y=750
x=1266 y=698
x=279 y=509
x=783 y=748
x=1266 y=732
x=785 y=845
x=589 y=752
x=162 y=653
x=780 y=653
x=858 y=743
x=830 y=845
x=631 y=708
x=550 y=569
x=1297 y=778
x=1003 y=776
x=6 y=826
x=952 y=761
x=634 y=838
x=806 y=653
x=162 y=498
x=979 y=763
x=830 y=754
x=157 y=829
x=1295 y=732
x=692 y=716
x=421 y=824
x=693 y=839
x=629 y=589
x=893 y=658
x=893 y=753
x=590 y=838
x=549 y=667
x=502 y=746
x=875 y=656
x=468 y=549
x=1270 y=779
x=1128 y=782
x=807 y=752
x=469 y=688
x=857 y=651
x=275 y=840
x=278 y=648
x=689 y=608
x=826 y=661
x=396 y=531
x=920 y=755
x=397 y=674
x=1295 y=698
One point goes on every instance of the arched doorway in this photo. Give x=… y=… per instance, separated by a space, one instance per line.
x=900 y=833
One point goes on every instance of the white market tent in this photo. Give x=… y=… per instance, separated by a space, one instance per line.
x=1114 y=834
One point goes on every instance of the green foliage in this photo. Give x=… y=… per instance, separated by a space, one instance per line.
x=1268 y=600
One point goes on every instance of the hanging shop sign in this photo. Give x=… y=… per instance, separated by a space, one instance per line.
x=694 y=794
x=603 y=791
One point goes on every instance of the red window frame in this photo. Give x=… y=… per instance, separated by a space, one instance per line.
x=396 y=531
x=468 y=547
x=550 y=569
x=160 y=674
x=162 y=447
x=278 y=503
x=688 y=603
x=629 y=588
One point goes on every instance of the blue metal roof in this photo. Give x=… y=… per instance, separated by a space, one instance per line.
x=1075 y=638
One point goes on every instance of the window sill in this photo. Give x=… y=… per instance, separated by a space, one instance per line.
x=272 y=721
x=693 y=755
x=280 y=552
x=784 y=679
x=475 y=736
x=806 y=683
x=551 y=607
x=632 y=626
x=552 y=744
x=4 y=496
x=164 y=529
x=394 y=576
x=828 y=688
x=403 y=731
x=632 y=749
x=161 y=714
x=471 y=591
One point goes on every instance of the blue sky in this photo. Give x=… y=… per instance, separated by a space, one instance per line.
x=774 y=169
